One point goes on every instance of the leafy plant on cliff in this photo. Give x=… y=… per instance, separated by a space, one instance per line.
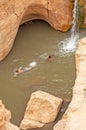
x=80 y=13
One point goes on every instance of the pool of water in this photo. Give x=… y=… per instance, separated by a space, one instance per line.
x=35 y=41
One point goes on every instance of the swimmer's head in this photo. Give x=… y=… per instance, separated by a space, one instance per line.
x=16 y=71
x=49 y=57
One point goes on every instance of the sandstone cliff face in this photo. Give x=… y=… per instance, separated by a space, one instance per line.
x=5 y=117
x=58 y=13
x=75 y=116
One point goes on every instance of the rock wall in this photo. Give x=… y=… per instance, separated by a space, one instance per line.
x=75 y=116
x=58 y=13
x=5 y=117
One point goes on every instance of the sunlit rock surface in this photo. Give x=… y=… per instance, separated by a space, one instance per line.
x=5 y=117
x=58 y=13
x=42 y=108
x=75 y=116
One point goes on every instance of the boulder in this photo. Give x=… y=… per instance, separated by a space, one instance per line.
x=57 y=13
x=75 y=116
x=5 y=117
x=42 y=108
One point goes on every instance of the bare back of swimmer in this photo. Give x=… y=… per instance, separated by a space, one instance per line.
x=24 y=69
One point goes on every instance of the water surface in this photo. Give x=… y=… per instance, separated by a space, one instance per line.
x=35 y=41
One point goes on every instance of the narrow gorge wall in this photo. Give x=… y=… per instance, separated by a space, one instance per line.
x=58 y=13
x=75 y=116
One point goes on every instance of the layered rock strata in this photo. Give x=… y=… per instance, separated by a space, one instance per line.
x=5 y=117
x=58 y=13
x=75 y=116
x=42 y=108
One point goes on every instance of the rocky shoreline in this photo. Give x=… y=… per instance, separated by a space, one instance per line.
x=75 y=116
x=41 y=109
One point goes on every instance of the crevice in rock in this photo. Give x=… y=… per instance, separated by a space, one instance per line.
x=64 y=107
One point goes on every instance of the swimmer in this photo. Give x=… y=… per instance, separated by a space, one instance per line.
x=21 y=70
x=49 y=58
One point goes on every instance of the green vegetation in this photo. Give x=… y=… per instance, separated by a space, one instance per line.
x=80 y=13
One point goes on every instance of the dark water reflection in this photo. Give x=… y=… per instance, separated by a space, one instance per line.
x=34 y=42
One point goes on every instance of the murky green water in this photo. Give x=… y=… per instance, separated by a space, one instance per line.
x=34 y=42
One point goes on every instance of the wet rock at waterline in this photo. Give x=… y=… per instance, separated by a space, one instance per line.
x=57 y=13
x=42 y=108
x=75 y=116
x=5 y=117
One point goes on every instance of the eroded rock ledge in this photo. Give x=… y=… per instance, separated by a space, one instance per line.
x=75 y=116
x=5 y=117
x=57 y=13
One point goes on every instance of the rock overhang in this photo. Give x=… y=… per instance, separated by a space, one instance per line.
x=57 y=13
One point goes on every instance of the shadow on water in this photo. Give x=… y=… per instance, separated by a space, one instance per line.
x=35 y=41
